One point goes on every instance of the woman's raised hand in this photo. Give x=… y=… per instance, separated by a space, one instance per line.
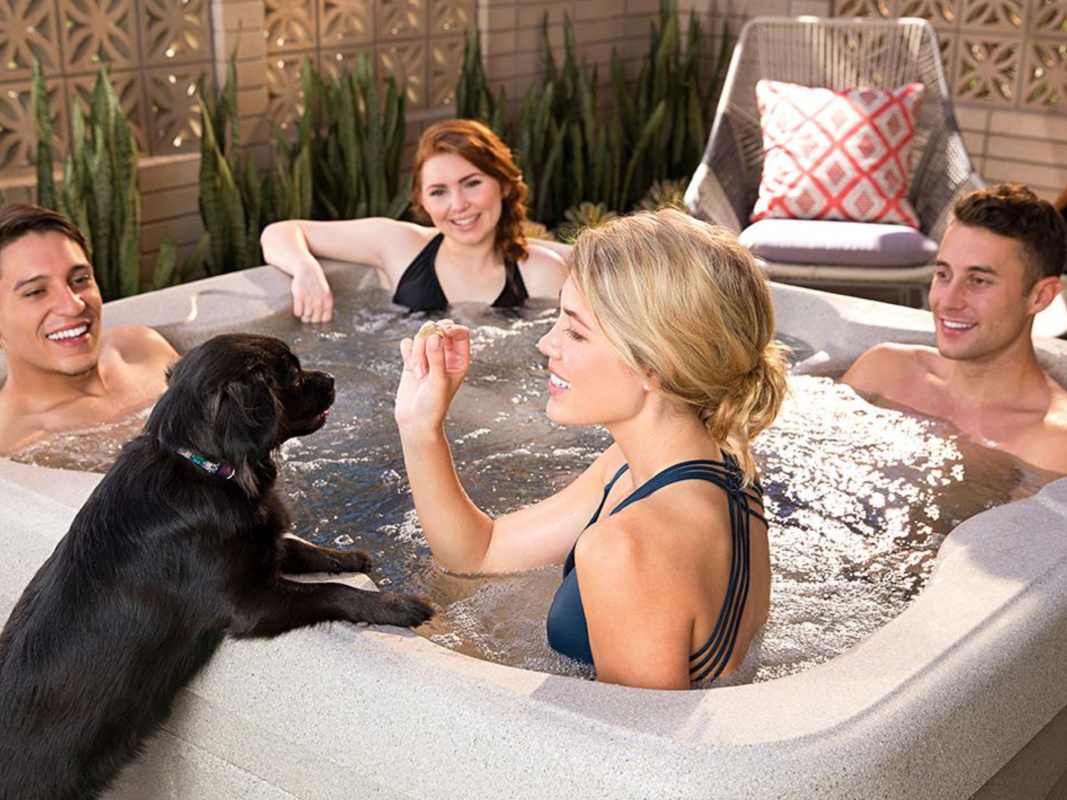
x=312 y=298
x=435 y=363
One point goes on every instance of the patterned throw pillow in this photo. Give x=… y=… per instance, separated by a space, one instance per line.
x=836 y=154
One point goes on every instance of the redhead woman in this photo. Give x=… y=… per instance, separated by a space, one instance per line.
x=468 y=187
x=664 y=337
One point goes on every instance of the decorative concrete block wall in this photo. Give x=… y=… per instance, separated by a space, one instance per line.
x=155 y=49
x=1006 y=64
x=418 y=42
x=1005 y=59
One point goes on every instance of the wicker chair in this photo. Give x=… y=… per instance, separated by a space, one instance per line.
x=837 y=54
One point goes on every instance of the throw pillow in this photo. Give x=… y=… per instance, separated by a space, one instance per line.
x=836 y=154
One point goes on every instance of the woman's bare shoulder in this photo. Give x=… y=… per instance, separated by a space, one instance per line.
x=544 y=272
x=399 y=242
x=388 y=244
x=383 y=232
x=561 y=249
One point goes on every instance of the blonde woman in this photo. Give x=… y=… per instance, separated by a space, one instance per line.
x=466 y=185
x=665 y=338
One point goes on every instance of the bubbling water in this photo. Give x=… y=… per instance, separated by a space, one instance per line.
x=858 y=497
x=92 y=449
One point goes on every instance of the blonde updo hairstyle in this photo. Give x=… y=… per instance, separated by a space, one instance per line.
x=684 y=301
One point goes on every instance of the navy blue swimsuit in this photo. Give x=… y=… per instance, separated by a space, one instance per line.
x=567 y=630
x=419 y=289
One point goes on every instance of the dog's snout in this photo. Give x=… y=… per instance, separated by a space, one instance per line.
x=322 y=383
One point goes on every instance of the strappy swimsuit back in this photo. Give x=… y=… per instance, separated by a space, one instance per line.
x=567 y=630
x=420 y=290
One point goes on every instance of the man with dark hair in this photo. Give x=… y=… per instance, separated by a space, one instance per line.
x=998 y=266
x=64 y=370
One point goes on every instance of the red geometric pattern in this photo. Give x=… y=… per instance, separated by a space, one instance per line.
x=836 y=154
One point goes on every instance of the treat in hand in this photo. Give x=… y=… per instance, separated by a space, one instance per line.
x=431 y=328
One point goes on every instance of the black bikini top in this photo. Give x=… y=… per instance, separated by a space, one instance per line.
x=420 y=290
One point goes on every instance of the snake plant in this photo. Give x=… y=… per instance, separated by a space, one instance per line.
x=655 y=129
x=473 y=98
x=99 y=190
x=231 y=204
x=357 y=142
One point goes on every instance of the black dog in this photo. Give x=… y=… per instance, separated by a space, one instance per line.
x=180 y=545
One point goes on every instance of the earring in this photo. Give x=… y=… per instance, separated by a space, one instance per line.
x=646 y=387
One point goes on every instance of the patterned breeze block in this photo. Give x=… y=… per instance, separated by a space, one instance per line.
x=836 y=154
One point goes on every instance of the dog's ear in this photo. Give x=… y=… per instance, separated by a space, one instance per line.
x=245 y=419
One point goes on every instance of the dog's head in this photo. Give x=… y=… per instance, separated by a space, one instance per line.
x=236 y=398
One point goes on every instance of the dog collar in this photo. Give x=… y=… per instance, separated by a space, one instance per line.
x=220 y=468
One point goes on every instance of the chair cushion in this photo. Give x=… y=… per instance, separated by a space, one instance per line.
x=851 y=244
x=836 y=154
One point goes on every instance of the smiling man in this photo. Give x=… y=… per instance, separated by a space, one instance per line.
x=64 y=370
x=998 y=266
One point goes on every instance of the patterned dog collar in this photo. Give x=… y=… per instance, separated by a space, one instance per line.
x=220 y=468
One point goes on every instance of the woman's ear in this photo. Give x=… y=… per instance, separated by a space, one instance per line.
x=652 y=381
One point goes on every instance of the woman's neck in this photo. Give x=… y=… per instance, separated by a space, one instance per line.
x=474 y=257
x=661 y=435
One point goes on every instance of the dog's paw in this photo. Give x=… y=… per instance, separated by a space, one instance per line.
x=405 y=610
x=352 y=561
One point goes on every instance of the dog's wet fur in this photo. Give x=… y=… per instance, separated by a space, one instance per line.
x=162 y=563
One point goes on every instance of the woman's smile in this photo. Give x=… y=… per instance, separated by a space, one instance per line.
x=556 y=385
x=466 y=223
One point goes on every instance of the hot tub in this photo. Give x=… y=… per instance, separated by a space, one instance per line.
x=962 y=695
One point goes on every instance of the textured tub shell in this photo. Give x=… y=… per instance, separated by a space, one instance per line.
x=962 y=695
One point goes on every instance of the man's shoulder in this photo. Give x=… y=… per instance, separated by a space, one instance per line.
x=1057 y=413
x=139 y=345
x=887 y=369
x=1045 y=444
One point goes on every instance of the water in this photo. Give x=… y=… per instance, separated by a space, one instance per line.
x=859 y=498
x=92 y=449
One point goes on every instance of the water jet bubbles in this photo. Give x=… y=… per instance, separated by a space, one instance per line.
x=344 y=540
x=330 y=336
x=568 y=452
x=477 y=433
x=410 y=529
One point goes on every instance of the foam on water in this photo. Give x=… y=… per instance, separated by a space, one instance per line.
x=859 y=498
x=92 y=449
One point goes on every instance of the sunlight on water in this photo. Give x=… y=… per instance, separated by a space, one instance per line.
x=859 y=498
